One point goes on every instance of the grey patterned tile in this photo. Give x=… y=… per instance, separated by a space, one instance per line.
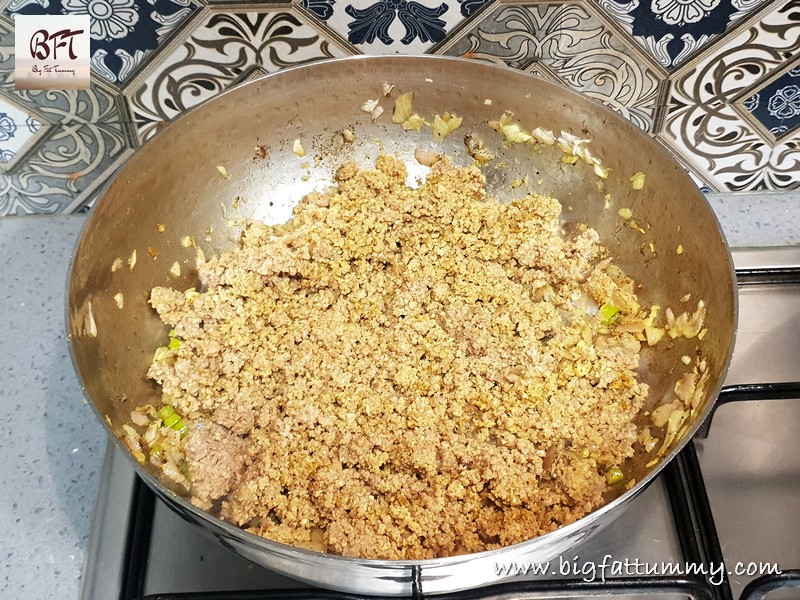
x=573 y=42
x=704 y=123
x=19 y=130
x=64 y=169
x=221 y=48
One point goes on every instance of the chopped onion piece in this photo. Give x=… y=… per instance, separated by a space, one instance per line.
x=544 y=136
x=661 y=414
x=637 y=181
x=601 y=171
x=297 y=149
x=139 y=419
x=369 y=105
x=625 y=213
x=444 y=125
x=513 y=132
x=402 y=108
x=223 y=171
x=91 y=326
x=427 y=158
x=120 y=300
x=684 y=388
x=414 y=122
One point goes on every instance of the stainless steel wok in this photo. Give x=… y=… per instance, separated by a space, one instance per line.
x=173 y=183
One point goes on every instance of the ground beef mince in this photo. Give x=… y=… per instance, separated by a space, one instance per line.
x=403 y=373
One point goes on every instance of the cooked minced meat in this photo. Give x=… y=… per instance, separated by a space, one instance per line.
x=412 y=373
x=217 y=458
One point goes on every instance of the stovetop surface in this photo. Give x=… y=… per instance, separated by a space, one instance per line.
x=748 y=464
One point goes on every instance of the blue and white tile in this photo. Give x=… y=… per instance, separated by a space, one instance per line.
x=672 y=31
x=776 y=105
x=573 y=43
x=220 y=48
x=393 y=26
x=124 y=33
x=18 y=131
x=706 y=126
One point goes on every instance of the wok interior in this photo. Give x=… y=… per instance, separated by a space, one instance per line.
x=174 y=184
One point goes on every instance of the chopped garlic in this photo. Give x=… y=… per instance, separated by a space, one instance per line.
x=637 y=181
x=187 y=241
x=686 y=297
x=348 y=136
x=119 y=300
x=569 y=159
x=132 y=260
x=223 y=171
x=297 y=149
x=175 y=269
x=625 y=213
x=686 y=359
x=444 y=125
x=116 y=265
x=160 y=227
x=679 y=249
x=487 y=102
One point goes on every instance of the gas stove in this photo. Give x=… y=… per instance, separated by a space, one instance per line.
x=720 y=522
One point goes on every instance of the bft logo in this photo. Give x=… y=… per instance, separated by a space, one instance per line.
x=45 y=45
x=51 y=52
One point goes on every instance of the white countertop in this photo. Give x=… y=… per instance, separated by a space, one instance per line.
x=51 y=441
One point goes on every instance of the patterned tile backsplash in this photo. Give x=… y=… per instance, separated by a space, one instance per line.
x=717 y=81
